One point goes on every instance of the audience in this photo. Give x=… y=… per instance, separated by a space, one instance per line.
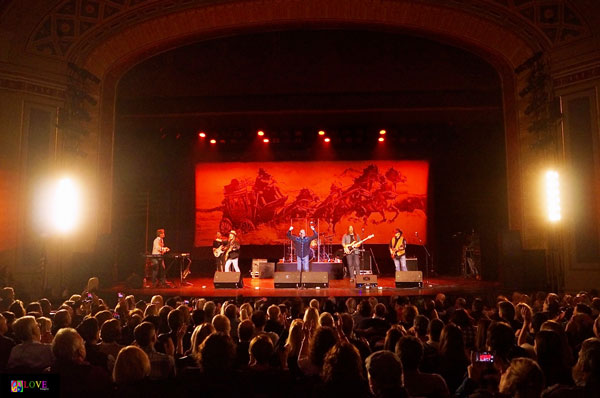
x=422 y=347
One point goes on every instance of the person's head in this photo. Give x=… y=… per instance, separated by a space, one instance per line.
x=219 y=235
x=587 y=369
x=246 y=330
x=103 y=316
x=160 y=233
x=398 y=233
x=34 y=307
x=145 y=334
x=175 y=319
x=500 y=338
x=200 y=333
x=522 y=379
x=409 y=313
x=506 y=310
x=326 y=319
x=132 y=364
x=410 y=351
x=384 y=371
x=221 y=324
x=302 y=233
x=259 y=319
x=350 y=230
x=421 y=325
x=347 y=323
x=314 y=303
x=217 y=353
x=452 y=342
x=294 y=339
x=434 y=330
x=392 y=336
x=68 y=346
x=158 y=301
x=311 y=316
x=261 y=350
x=209 y=309
x=477 y=305
x=322 y=340
x=364 y=308
x=110 y=331
x=88 y=330
x=232 y=235
x=342 y=364
x=274 y=312
x=17 y=308
x=26 y=329
x=380 y=310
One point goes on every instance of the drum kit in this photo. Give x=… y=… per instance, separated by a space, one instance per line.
x=321 y=250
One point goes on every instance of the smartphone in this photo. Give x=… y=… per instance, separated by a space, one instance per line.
x=120 y=295
x=90 y=296
x=116 y=316
x=186 y=302
x=484 y=356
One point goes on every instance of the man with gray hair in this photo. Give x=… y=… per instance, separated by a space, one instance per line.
x=31 y=354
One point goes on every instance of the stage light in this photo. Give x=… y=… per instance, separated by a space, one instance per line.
x=202 y=134
x=327 y=139
x=381 y=139
x=266 y=140
x=213 y=141
x=65 y=206
x=261 y=133
x=321 y=132
x=553 y=196
x=382 y=132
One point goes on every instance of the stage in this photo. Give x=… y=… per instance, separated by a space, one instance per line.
x=203 y=287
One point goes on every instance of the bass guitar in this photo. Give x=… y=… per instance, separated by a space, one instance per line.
x=217 y=251
x=348 y=248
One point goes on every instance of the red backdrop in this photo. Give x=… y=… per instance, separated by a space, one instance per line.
x=260 y=200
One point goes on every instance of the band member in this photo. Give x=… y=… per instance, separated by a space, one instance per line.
x=232 y=252
x=349 y=243
x=219 y=245
x=398 y=250
x=302 y=245
x=158 y=264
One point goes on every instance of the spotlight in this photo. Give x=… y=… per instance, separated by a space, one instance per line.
x=381 y=139
x=327 y=139
x=321 y=132
x=266 y=140
x=261 y=133
x=382 y=132
x=213 y=141
x=65 y=205
x=553 y=196
x=202 y=134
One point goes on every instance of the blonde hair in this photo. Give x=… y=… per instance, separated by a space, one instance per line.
x=24 y=328
x=200 y=333
x=245 y=311
x=326 y=319
x=45 y=324
x=294 y=339
x=311 y=315
x=132 y=364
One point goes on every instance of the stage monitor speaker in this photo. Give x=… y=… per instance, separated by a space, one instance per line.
x=367 y=281
x=286 y=279
x=409 y=279
x=228 y=280
x=412 y=264
x=315 y=279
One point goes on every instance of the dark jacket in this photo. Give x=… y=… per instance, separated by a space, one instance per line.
x=302 y=244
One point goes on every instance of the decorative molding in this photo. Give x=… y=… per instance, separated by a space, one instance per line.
x=74 y=25
x=590 y=73
x=30 y=87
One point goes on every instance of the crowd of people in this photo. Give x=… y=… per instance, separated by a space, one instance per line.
x=525 y=346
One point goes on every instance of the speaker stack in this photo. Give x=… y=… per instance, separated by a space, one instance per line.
x=409 y=279
x=228 y=280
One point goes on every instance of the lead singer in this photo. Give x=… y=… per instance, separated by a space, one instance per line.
x=302 y=244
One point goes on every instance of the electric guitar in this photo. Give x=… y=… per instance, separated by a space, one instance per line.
x=217 y=251
x=348 y=248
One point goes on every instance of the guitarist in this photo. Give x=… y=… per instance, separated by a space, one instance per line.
x=219 y=251
x=232 y=252
x=398 y=250
x=349 y=243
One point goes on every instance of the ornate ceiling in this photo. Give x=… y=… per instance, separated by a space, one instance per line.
x=78 y=25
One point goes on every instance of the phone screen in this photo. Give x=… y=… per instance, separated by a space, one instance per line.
x=120 y=295
x=485 y=357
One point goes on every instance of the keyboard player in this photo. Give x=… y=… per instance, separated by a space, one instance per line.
x=158 y=263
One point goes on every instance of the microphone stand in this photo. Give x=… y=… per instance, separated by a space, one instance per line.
x=427 y=256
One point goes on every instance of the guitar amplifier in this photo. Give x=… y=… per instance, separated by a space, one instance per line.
x=289 y=280
x=409 y=279
x=365 y=280
x=228 y=280
x=315 y=279
x=412 y=264
x=256 y=266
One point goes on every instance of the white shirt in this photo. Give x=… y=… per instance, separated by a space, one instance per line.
x=158 y=246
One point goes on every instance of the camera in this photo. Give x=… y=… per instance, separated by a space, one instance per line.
x=120 y=295
x=484 y=356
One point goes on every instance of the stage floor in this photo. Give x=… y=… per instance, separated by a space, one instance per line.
x=203 y=287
